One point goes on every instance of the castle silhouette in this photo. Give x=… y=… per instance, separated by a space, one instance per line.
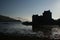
x=45 y=19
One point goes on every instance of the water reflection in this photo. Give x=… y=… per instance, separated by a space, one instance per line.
x=18 y=28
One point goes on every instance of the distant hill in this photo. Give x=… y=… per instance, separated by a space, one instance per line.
x=8 y=19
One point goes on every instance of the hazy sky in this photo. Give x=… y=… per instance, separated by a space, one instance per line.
x=26 y=8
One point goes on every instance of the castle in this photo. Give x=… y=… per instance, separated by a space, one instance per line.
x=38 y=22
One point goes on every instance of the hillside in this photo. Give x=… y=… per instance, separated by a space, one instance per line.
x=7 y=19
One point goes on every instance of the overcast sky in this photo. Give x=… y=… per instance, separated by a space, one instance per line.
x=26 y=8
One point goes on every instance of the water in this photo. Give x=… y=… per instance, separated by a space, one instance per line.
x=19 y=28
x=11 y=27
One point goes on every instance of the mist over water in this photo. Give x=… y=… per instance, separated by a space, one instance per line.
x=11 y=27
x=18 y=28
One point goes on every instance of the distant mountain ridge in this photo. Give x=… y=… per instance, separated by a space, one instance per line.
x=8 y=19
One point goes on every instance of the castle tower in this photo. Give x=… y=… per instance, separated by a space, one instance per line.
x=47 y=14
x=34 y=22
